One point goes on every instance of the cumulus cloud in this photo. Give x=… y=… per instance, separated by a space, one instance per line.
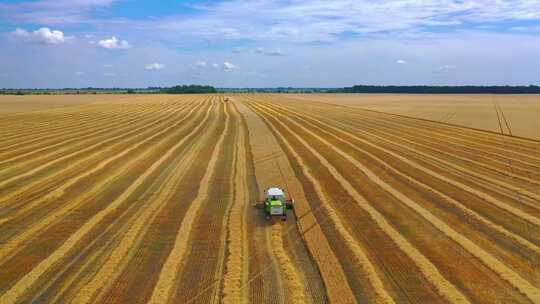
x=155 y=66
x=43 y=36
x=229 y=66
x=201 y=64
x=225 y=66
x=401 y=61
x=114 y=43
x=22 y=33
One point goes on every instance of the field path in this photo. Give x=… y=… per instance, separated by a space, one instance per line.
x=236 y=268
x=266 y=154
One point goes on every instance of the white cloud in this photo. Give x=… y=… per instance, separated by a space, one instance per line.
x=22 y=33
x=290 y=21
x=43 y=36
x=263 y=51
x=238 y=50
x=445 y=68
x=53 y=11
x=155 y=66
x=201 y=64
x=480 y=58
x=215 y=65
x=109 y=74
x=229 y=66
x=107 y=66
x=525 y=28
x=328 y=21
x=114 y=43
x=80 y=73
x=70 y=4
x=401 y=61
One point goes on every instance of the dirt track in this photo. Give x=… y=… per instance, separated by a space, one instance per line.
x=149 y=199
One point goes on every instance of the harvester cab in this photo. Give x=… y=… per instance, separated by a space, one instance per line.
x=275 y=203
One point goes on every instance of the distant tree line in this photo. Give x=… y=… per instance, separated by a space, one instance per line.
x=205 y=89
x=274 y=90
x=77 y=91
x=440 y=89
x=190 y=89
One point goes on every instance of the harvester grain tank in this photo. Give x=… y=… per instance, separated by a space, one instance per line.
x=275 y=203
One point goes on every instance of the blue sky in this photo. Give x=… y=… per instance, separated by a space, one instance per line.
x=263 y=43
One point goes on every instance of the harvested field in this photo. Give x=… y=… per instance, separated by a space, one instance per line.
x=31 y=103
x=508 y=114
x=150 y=199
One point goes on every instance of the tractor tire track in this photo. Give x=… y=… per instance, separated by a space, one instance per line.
x=504 y=119
x=498 y=118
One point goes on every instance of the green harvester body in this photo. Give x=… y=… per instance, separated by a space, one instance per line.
x=275 y=203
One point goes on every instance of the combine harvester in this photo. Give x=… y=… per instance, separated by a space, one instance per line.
x=275 y=203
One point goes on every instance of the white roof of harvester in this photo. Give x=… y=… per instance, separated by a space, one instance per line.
x=274 y=191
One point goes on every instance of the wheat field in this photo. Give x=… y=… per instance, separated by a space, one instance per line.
x=150 y=199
